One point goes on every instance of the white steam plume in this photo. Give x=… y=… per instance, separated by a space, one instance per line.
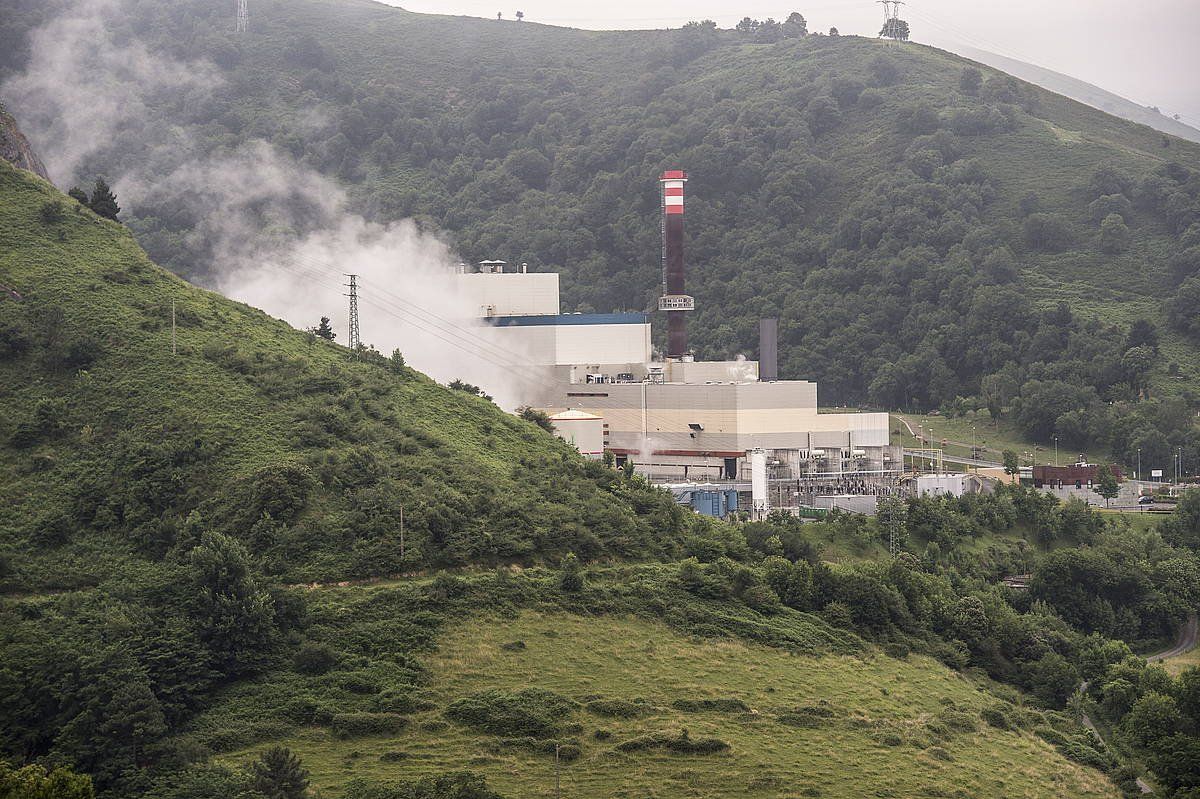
x=280 y=233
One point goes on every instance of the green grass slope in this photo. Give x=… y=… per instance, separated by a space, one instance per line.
x=114 y=451
x=795 y=724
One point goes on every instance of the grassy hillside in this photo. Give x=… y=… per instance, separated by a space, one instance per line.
x=796 y=725
x=113 y=448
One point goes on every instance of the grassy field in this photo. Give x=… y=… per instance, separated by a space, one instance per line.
x=878 y=738
x=992 y=438
x=1188 y=660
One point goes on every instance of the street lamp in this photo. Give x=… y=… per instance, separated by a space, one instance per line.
x=1056 y=450
x=1138 y=474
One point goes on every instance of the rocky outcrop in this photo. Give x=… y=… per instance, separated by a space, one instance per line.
x=14 y=147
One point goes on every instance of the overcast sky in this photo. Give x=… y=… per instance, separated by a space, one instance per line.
x=1147 y=51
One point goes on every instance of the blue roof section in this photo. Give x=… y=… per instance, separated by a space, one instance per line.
x=571 y=319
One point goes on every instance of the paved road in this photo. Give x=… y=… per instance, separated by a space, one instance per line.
x=1187 y=642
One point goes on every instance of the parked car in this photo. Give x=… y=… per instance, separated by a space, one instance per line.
x=1145 y=499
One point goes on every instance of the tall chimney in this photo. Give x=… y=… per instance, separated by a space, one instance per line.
x=674 y=301
x=768 y=349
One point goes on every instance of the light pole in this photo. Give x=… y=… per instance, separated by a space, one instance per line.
x=974 y=451
x=1138 y=473
x=1056 y=450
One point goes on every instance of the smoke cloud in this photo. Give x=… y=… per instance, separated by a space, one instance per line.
x=281 y=234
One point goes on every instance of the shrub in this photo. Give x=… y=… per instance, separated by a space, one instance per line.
x=958 y=720
x=938 y=753
x=395 y=700
x=682 y=743
x=513 y=646
x=353 y=725
x=313 y=658
x=996 y=717
x=567 y=750
x=725 y=705
x=393 y=757
x=528 y=712
x=619 y=708
x=806 y=716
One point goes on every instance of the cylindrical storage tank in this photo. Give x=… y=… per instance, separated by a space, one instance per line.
x=758 y=481
x=584 y=431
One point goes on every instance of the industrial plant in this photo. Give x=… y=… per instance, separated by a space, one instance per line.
x=716 y=432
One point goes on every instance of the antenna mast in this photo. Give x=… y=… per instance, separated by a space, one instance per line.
x=243 y=17
x=355 y=339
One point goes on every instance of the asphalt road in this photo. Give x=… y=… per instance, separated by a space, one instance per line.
x=1187 y=642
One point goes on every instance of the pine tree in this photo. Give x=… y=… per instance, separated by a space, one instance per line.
x=103 y=201
x=323 y=330
x=279 y=775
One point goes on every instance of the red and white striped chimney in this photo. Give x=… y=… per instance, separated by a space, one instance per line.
x=673 y=300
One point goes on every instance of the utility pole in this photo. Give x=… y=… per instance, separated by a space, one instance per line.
x=243 y=17
x=174 y=351
x=355 y=340
x=401 y=535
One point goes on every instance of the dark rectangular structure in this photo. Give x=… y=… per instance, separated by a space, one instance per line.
x=1069 y=476
x=768 y=349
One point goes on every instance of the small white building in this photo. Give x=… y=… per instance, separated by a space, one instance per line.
x=584 y=431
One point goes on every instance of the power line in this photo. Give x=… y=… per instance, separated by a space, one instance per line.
x=421 y=318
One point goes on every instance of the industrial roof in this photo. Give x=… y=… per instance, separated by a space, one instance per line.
x=571 y=319
x=575 y=416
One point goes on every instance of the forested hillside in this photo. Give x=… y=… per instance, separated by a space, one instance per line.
x=926 y=228
x=116 y=450
x=165 y=494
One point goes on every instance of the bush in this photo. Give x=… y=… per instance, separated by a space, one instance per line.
x=529 y=712
x=996 y=717
x=354 y=725
x=395 y=700
x=682 y=743
x=806 y=716
x=619 y=708
x=727 y=705
x=314 y=659
x=958 y=720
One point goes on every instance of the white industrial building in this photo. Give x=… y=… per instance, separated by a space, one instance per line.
x=677 y=418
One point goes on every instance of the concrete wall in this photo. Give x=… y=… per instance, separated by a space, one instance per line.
x=569 y=344
x=603 y=344
x=512 y=294
x=733 y=417
x=586 y=435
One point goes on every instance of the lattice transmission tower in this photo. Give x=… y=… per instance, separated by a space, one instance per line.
x=355 y=338
x=243 y=17
x=891 y=18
